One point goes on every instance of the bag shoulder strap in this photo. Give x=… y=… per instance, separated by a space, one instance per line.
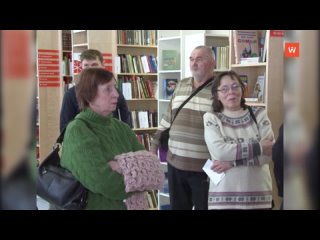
x=191 y=96
x=252 y=115
x=61 y=136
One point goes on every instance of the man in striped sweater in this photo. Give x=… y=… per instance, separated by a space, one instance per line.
x=188 y=184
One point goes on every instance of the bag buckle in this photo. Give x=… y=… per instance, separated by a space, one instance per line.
x=56 y=145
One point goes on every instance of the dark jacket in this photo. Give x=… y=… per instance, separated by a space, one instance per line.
x=312 y=168
x=277 y=156
x=70 y=109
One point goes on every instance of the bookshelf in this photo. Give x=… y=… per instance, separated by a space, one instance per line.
x=271 y=67
x=136 y=71
x=170 y=67
x=136 y=68
x=175 y=46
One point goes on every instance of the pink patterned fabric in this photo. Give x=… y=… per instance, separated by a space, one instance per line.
x=141 y=170
x=137 y=201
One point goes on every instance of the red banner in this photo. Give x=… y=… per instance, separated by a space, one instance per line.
x=276 y=33
x=16 y=54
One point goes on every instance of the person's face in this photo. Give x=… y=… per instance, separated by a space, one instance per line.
x=91 y=63
x=229 y=93
x=106 y=99
x=200 y=63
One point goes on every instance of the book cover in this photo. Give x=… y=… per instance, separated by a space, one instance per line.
x=127 y=90
x=244 y=79
x=245 y=44
x=170 y=86
x=170 y=60
x=258 y=91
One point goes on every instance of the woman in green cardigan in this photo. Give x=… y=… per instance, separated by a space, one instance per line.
x=94 y=138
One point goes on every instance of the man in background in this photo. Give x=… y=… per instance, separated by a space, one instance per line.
x=188 y=183
x=90 y=58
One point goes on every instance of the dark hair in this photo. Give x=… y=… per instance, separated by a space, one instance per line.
x=89 y=80
x=216 y=103
x=91 y=54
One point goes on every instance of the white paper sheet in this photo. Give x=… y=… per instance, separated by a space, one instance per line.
x=215 y=177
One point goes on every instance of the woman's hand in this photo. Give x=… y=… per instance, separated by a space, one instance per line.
x=221 y=166
x=115 y=166
x=267 y=145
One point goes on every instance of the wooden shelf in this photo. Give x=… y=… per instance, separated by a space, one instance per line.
x=246 y=65
x=153 y=129
x=135 y=46
x=137 y=74
x=142 y=99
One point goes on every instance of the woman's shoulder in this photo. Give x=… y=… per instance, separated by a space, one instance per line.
x=259 y=111
x=211 y=115
x=77 y=124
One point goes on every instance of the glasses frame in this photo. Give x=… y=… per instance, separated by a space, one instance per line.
x=234 y=87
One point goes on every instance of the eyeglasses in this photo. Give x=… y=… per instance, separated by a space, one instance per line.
x=225 y=89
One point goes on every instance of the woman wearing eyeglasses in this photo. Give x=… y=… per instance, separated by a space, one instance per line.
x=240 y=144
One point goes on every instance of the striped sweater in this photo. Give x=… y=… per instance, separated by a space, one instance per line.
x=187 y=148
x=234 y=136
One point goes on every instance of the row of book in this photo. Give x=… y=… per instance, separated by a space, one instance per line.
x=258 y=92
x=137 y=37
x=144 y=119
x=152 y=199
x=222 y=57
x=136 y=87
x=145 y=140
x=66 y=40
x=126 y=63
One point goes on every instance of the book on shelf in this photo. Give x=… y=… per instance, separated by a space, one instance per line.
x=249 y=60
x=143 y=119
x=244 y=79
x=170 y=60
x=169 y=86
x=154 y=198
x=150 y=201
x=251 y=99
x=258 y=91
x=127 y=90
x=118 y=64
x=263 y=45
x=245 y=45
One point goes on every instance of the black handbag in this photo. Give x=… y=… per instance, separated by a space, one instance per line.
x=57 y=185
x=164 y=136
x=164 y=139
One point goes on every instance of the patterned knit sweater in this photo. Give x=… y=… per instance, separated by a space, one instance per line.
x=234 y=136
x=187 y=148
x=142 y=172
x=90 y=142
